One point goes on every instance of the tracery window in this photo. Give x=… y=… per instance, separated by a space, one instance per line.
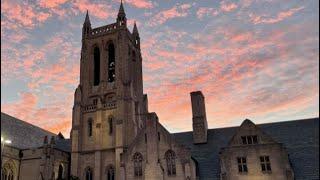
x=137 y=163
x=7 y=172
x=96 y=66
x=89 y=174
x=170 y=157
x=110 y=172
x=111 y=63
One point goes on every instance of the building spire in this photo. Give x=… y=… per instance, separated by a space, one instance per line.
x=121 y=19
x=87 y=20
x=135 y=29
x=121 y=9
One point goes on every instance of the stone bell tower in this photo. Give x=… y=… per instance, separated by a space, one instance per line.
x=109 y=101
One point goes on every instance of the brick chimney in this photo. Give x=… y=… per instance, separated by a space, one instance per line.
x=199 y=119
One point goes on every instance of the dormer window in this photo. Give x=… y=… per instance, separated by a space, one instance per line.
x=249 y=139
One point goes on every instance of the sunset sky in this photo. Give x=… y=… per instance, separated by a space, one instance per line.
x=255 y=59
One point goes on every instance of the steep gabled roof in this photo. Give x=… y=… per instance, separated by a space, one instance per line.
x=300 y=138
x=25 y=135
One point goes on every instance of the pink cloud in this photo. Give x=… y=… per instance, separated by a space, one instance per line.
x=100 y=10
x=140 y=3
x=204 y=11
x=227 y=7
x=269 y=20
x=51 y=3
x=174 y=12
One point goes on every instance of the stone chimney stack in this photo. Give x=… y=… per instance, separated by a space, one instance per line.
x=199 y=119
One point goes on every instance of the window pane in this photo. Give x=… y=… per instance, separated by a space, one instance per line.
x=240 y=168
x=261 y=159
x=263 y=167
x=239 y=160
x=255 y=140
x=244 y=140
x=267 y=158
x=268 y=167
x=244 y=160
x=245 y=169
x=249 y=140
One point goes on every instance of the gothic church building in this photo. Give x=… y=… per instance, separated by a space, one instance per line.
x=115 y=137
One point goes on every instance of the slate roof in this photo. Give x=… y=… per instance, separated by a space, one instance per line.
x=300 y=137
x=26 y=136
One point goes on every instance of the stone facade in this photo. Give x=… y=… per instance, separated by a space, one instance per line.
x=114 y=136
x=253 y=154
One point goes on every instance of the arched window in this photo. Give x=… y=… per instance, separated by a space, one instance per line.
x=171 y=162
x=110 y=122
x=137 y=163
x=89 y=174
x=111 y=63
x=8 y=171
x=96 y=66
x=90 y=127
x=110 y=172
x=60 y=172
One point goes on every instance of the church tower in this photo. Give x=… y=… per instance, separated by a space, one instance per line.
x=108 y=103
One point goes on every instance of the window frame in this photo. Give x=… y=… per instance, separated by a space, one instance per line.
x=242 y=164
x=170 y=157
x=265 y=164
x=137 y=164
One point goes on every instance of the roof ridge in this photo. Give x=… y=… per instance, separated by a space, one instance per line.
x=25 y=122
x=285 y=121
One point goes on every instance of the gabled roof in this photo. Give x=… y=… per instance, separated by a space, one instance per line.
x=26 y=136
x=300 y=138
x=249 y=128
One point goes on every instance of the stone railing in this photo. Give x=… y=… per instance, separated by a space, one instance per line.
x=109 y=105
x=103 y=30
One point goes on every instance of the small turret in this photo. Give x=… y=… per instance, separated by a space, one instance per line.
x=135 y=34
x=86 y=26
x=121 y=19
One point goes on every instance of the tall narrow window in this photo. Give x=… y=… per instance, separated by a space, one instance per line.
x=110 y=122
x=60 y=172
x=242 y=164
x=111 y=63
x=171 y=162
x=137 y=163
x=96 y=66
x=89 y=174
x=265 y=164
x=90 y=127
x=110 y=172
